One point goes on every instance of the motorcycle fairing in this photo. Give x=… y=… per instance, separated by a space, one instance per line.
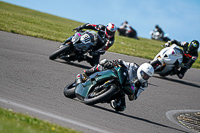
x=83 y=47
x=83 y=89
x=168 y=57
x=80 y=46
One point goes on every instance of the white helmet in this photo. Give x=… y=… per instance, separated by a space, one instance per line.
x=110 y=30
x=144 y=72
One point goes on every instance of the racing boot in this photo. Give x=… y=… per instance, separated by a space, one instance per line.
x=181 y=72
x=115 y=103
x=180 y=75
x=133 y=96
x=118 y=104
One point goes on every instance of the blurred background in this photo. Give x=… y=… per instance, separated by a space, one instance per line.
x=180 y=19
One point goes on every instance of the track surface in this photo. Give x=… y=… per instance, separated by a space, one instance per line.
x=33 y=84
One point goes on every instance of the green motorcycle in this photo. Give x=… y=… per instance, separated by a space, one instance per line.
x=100 y=87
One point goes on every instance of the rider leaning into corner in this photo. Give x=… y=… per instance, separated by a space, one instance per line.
x=190 y=55
x=126 y=30
x=137 y=79
x=157 y=28
x=104 y=42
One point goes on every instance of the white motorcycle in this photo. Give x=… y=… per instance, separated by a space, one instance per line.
x=155 y=35
x=166 y=62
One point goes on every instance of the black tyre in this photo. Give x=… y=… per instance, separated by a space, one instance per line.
x=102 y=96
x=59 y=52
x=69 y=90
x=163 y=75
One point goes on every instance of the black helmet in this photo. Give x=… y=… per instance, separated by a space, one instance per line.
x=193 y=46
x=156 y=26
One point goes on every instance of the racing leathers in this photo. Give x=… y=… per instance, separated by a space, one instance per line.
x=158 y=29
x=124 y=25
x=119 y=103
x=102 y=45
x=189 y=57
x=126 y=30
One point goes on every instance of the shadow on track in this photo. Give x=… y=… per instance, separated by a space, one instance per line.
x=73 y=64
x=140 y=119
x=178 y=81
x=153 y=84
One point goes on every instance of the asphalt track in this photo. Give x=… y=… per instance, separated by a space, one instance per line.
x=33 y=84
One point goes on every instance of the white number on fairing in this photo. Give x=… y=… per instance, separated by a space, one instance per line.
x=85 y=39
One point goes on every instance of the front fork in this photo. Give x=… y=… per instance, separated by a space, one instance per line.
x=155 y=63
x=68 y=42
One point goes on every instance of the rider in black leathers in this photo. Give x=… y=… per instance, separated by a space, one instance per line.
x=157 y=28
x=104 y=41
x=126 y=30
x=190 y=55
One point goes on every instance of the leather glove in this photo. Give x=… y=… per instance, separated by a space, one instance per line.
x=119 y=62
x=116 y=63
x=108 y=65
x=79 y=28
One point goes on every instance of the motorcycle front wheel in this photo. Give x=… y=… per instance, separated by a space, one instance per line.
x=155 y=63
x=64 y=50
x=100 y=96
x=69 y=90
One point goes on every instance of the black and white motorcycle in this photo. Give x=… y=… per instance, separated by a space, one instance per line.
x=155 y=35
x=79 y=46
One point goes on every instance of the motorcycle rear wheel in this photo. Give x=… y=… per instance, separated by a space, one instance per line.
x=99 y=97
x=69 y=90
x=64 y=50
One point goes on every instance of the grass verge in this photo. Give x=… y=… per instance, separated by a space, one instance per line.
x=12 y=122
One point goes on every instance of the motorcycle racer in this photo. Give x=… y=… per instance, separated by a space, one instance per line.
x=190 y=55
x=158 y=34
x=137 y=79
x=104 y=41
x=126 y=30
x=157 y=28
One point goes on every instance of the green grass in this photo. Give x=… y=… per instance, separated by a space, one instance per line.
x=24 y=21
x=11 y=122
